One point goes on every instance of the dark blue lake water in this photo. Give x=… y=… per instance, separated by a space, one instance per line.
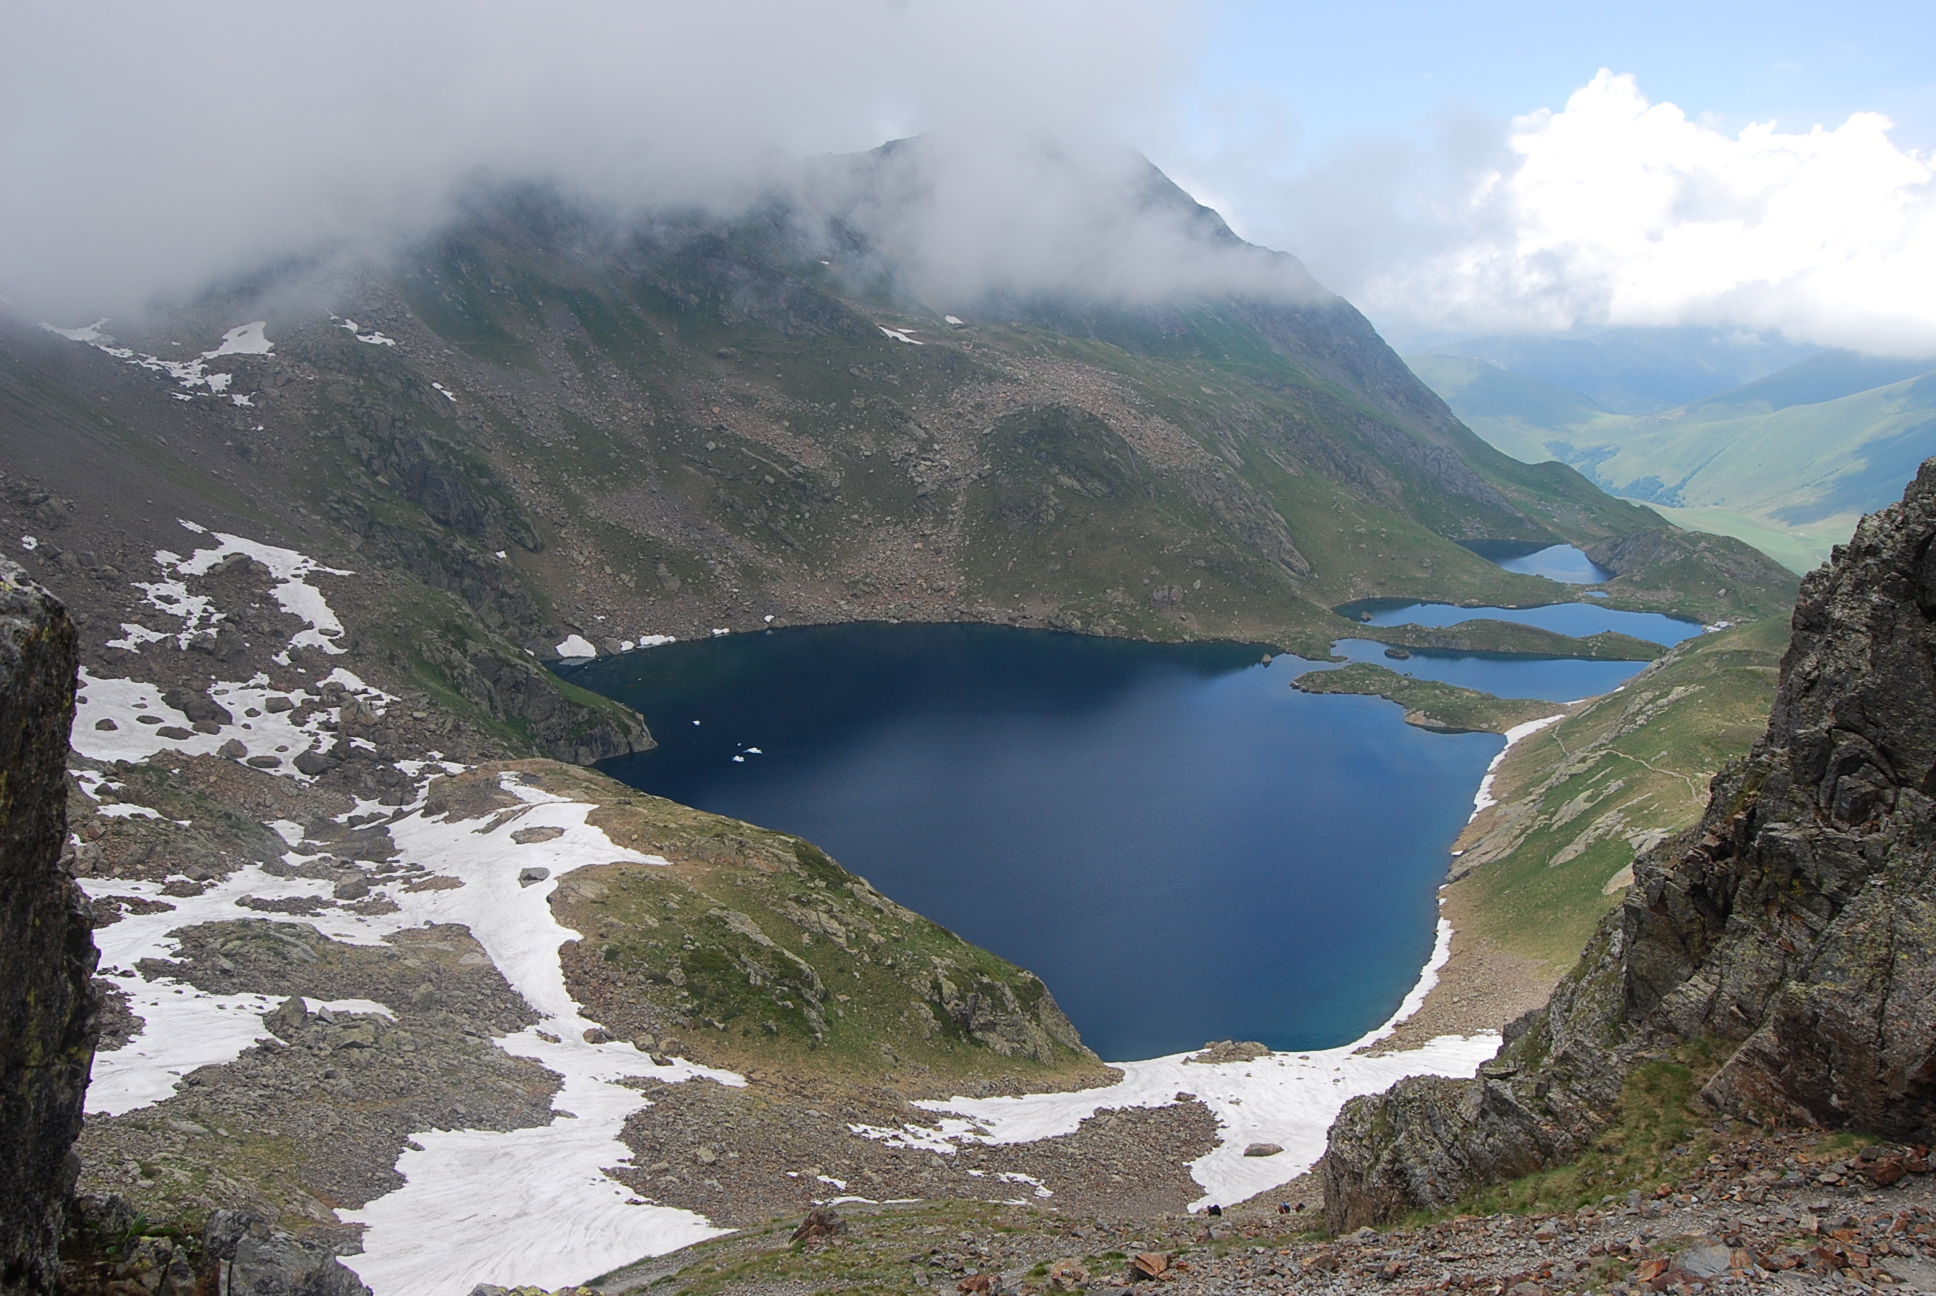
x=1183 y=846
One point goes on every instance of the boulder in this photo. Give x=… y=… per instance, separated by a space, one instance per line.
x=47 y=954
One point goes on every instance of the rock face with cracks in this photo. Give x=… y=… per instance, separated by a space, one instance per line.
x=46 y=951
x=1791 y=935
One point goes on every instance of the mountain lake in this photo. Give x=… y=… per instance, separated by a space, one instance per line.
x=1182 y=845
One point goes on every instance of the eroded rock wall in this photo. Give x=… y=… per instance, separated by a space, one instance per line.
x=1795 y=929
x=46 y=946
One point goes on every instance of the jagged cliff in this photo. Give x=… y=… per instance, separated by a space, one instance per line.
x=1791 y=937
x=46 y=952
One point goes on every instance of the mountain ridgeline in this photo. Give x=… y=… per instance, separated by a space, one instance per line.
x=1787 y=459
x=544 y=422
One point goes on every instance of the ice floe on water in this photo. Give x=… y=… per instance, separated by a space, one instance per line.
x=575 y=645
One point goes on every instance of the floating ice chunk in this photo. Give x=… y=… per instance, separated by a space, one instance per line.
x=754 y=751
x=739 y=760
x=575 y=646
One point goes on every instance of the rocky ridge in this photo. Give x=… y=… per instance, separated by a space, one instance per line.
x=1782 y=950
x=47 y=1017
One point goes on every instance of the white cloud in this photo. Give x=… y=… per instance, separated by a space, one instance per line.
x=148 y=148
x=1618 y=211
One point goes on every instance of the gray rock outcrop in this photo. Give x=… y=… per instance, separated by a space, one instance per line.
x=47 y=951
x=1791 y=935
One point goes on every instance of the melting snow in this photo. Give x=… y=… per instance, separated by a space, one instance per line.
x=373 y=337
x=1483 y=797
x=1285 y=1098
x=899 y=335
x=244 y=339
x=529 y=1206
x=575 y=646
x=292 y=592
x=449 y=395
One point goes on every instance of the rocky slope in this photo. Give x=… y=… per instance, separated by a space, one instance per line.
x=1782 y=950
x=47 y=1024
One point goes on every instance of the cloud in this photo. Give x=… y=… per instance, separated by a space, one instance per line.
x=1618 y=211
x=150 y=148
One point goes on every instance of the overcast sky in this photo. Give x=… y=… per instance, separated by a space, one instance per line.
x=1448 y=168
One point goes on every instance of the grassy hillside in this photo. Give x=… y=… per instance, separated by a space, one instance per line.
x=1578 y=799
x=1788 y=462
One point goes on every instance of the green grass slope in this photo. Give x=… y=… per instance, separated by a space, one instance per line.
x=1577 y=800
x=1787 y=462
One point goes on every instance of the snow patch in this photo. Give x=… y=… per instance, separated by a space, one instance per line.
x=899 y=335
x=1483 y=798
x=373 y=337
x=292 y=592
x=575 y=646
x=1289 y=1099
x=244 y=339
x=366 y=1007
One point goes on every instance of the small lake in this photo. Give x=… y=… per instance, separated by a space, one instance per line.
x=1577 y=619
x=1553 y=679
x=1560 y=562
x=1183 y=846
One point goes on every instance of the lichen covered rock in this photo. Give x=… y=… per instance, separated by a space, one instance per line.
x=46 y=949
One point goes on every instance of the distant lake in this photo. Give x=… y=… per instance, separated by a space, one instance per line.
x=1560 y=562
x=1565 y=618
x=1184 y=847
x=1553 y=679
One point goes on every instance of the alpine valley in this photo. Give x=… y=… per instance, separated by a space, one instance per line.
x=388 y=972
